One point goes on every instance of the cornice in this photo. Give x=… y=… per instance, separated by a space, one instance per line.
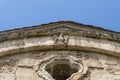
x=72 y=36
x=76 y=29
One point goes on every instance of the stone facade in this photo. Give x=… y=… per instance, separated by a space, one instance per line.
x=60 y=51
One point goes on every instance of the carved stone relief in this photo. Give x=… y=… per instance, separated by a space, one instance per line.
x=60 y=39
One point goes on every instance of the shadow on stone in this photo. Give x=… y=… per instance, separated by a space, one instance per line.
x=61 y=69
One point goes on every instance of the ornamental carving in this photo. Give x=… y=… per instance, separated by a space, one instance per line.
x=60 y=39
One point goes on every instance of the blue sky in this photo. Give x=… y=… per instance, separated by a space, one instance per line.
x=23 y=13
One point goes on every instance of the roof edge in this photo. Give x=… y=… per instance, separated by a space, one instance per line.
x=73 y=22
x=44 y=30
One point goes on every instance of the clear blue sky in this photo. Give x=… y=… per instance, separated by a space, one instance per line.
x=22 y=13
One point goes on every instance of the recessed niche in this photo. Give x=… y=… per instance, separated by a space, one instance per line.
x=61 y=69
x=65 y=68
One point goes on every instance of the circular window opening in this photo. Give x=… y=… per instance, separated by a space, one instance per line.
x=61 y=69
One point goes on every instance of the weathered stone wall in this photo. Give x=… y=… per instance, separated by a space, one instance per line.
x=23 y=66
x=47 y=43
x=84 y=52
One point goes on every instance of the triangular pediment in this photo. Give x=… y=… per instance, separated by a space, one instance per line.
x=68 y=27
x=65 y=25
x=71 y=25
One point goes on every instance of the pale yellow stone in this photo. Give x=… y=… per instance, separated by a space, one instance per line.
x=98 y=75
x=26 y=62
x=24 y=73
x=71 y=41
x=7 y=76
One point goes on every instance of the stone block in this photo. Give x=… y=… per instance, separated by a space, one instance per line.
x=97 y=75
x=71 y=41
x=26 y=62
x=24 y=73
x=7 y=76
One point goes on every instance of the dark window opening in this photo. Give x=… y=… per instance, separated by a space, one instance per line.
x=61 y=69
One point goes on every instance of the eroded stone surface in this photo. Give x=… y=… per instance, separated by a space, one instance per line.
x=25 y=67
x=7 y=76
x=23 y=73
x=47 y=43
x=29 y=53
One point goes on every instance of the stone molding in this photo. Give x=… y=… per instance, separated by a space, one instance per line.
x=48 y=43
x=75 y=29
x=40 y=68
x=60 y=36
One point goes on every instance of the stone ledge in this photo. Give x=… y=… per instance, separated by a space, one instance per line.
x=77 y=29
x=47 y=43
